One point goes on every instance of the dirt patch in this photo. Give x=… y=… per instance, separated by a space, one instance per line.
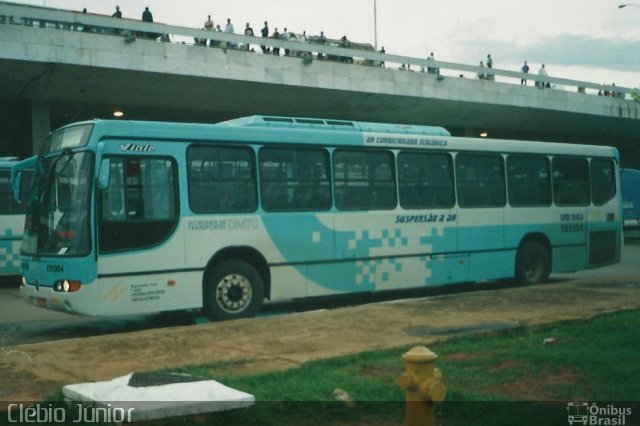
x=535 y=388
x=461 y=356
x=506 y=365
x=256 y=367
x=373 y=371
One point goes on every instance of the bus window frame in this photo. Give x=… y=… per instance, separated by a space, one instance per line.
x=371 y=207
x=452 y=181
x=176 y=206
x=327 y=156
x=254 y=181
x=503 y=177
x=549 y=179
x=587 y=188
x=615 y=188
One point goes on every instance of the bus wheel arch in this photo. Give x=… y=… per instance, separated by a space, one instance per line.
x=235 y=283
x=533 y=260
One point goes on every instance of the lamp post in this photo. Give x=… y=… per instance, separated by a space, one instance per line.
x=375 y=24
x=628 y=4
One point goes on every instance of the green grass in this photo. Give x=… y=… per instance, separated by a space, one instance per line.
x=591 y=360
x=496 y=379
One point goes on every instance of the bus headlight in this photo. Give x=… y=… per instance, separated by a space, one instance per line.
x=66 y=286
x=23 y=281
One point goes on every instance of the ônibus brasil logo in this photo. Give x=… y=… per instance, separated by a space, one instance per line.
x=593 y=414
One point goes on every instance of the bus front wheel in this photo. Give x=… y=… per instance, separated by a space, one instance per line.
x=533 y=264
x=232 y=289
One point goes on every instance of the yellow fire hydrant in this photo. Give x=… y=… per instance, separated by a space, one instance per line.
x=423 y=385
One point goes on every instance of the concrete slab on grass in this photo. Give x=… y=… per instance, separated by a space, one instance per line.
x=141 y=396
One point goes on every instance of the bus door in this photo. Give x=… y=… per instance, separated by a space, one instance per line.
x=571 y=195
x=139 y=250
x=367 y=239
x=481 y=195
x=604 y=217
x=427 y=223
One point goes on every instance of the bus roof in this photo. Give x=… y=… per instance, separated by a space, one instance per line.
x=330 y=124
x=316 y=131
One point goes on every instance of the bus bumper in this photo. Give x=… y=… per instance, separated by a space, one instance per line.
x=46 y=297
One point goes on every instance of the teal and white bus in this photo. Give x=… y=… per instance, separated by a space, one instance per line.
x=140 y=217
x=11 y=221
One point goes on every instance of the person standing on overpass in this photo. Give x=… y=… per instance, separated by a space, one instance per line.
x=229 y=29
x=146 y=15
x=265 y=34
x=525 y=70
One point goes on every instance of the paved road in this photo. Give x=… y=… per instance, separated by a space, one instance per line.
x=21 y=323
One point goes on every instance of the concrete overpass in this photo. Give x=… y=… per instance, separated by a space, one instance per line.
x=59 y=66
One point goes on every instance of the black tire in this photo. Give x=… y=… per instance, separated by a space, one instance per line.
x=533 y=263
x=232 y=289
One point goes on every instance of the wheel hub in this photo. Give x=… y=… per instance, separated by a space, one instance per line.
x=233 y=293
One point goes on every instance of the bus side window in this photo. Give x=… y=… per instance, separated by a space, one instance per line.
x=364 y=180
x=6 y=196
x=8 y=205
x=221 y=179
x=425 y=180
x=571 y=181
x=480 y=180
x=113 y=198
x=294 y=179
x=529 y=180
x=139 y=208
x=603 y=181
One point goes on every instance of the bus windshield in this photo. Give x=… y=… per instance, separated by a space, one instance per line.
x=57 y=221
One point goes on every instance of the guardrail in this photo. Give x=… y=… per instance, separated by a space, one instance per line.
x=130 y=30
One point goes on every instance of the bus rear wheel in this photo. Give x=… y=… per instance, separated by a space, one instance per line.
x=533 y=264
x=232 y=289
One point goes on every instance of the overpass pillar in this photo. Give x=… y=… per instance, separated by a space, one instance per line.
x=40 y=124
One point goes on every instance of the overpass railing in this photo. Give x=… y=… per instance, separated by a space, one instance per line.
x=131 y=30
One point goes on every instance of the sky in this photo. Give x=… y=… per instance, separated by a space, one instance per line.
x=590 y=40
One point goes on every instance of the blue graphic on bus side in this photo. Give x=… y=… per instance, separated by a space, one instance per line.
x=10 y=253
x=358 y=268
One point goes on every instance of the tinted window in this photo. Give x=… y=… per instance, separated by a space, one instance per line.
x=139 y=208
x=294 y=179
x=8 y=205
x=571 y=182
x=221 y=179
x=529 y=180
x=480 y=180
x=603 y=181
x=6 y=196
x=425 y=180
x=364 y=180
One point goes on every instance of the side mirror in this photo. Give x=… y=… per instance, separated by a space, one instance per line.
x=104 y=174
x=16 y=184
